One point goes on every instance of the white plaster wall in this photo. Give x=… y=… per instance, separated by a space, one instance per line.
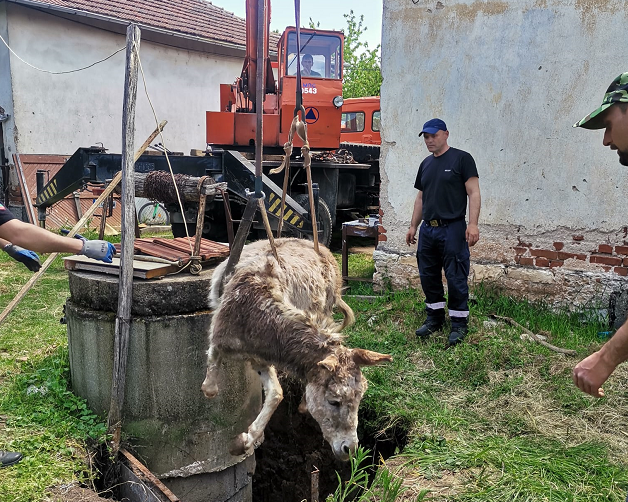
x=58 y=113
x=509 y=78
x=6 y=98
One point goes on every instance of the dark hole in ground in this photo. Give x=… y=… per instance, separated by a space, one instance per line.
x=292 y=448
x=294 y=445
x=108 y=472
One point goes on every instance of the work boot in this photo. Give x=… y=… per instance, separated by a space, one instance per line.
x=457 y=335
x=429 y=326
x=8 y=458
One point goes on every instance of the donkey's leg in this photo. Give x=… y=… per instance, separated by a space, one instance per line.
x=273 y=395
x=210 y=385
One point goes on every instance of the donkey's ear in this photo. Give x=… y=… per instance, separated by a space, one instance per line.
x=363 y=357
x=330 y=362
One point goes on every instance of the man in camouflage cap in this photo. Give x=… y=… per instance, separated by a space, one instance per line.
x=611 y=115
x=590 y=373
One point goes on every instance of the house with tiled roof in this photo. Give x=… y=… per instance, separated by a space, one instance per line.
x=188 y=48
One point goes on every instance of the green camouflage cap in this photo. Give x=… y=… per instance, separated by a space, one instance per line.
x=617 y=92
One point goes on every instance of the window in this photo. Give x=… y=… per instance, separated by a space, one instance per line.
x=352 y=122
x=325 y=51
x=377 y=118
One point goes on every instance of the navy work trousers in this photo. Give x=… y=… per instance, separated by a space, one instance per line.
x=444 y=247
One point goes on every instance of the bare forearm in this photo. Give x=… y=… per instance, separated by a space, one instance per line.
x=417 y=212
x=615 y=351
x=37 y=239
x=475 y=202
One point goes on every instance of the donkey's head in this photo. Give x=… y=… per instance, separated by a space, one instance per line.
x=333 y=393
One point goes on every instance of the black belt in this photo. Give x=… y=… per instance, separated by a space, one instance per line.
x=441 y=223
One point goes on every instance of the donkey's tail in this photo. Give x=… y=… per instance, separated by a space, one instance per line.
x=349 y=317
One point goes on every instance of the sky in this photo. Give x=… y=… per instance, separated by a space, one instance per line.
x=328 y=12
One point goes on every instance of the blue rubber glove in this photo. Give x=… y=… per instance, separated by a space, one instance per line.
x=99 y=250
x=25 y=256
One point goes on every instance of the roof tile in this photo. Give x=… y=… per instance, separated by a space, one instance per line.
x=191 y=17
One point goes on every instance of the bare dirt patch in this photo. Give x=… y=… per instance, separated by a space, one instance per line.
x=73 y=493
x=442 y=486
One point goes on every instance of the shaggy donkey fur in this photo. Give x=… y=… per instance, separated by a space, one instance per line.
x=280 y=314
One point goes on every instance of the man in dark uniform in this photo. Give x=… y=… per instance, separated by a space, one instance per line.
x=15 y=233
x=445 y=180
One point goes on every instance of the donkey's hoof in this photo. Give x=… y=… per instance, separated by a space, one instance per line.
x=238 y=447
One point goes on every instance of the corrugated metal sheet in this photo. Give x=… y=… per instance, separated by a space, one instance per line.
x=178 y=249
x=64 y=213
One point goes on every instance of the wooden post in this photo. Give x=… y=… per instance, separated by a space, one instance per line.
x=125 y=283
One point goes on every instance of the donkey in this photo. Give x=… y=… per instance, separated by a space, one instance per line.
x=278 y=314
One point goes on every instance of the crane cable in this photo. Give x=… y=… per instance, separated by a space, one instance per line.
x=300 y=127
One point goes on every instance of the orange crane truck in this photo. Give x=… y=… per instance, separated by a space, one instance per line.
x=347 y=173
x=348 y=182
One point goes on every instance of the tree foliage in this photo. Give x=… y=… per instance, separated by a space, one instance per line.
x=362 y=71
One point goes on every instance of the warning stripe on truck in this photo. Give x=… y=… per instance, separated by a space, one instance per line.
x=289 y=216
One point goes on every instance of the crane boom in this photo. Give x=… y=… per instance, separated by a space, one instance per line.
x=249 y=70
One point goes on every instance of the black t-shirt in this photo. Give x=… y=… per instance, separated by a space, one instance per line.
x=5 y=215
x=442 y=179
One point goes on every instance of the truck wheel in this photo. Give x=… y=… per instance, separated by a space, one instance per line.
x=178 y=229
x=323 y=220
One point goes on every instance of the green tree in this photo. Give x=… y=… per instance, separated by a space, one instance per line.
x=362 y=71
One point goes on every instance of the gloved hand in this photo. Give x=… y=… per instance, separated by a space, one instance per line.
x=99 y=250
x=25 y=256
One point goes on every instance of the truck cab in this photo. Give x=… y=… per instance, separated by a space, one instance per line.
x=233 y=126
x=360 y=121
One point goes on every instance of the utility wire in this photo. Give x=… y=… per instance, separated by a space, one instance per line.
x=59 y=72
x=163 y=142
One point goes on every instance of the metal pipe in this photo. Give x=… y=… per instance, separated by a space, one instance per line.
x=242 y=233
x=297 y=19
x=259 y=96
x=41 y=212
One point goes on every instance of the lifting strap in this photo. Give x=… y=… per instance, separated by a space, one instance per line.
x=300 y=127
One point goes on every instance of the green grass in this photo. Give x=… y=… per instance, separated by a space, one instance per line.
x=494 y=419
x=41 y=418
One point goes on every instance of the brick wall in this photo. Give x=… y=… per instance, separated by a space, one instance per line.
x=560 y=266
x=609 y=257
x=381 y=237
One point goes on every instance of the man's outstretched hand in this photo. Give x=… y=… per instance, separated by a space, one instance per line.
x=25 y=256
x=99 y=250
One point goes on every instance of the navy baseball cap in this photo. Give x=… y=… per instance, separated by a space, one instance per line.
x=433 y=126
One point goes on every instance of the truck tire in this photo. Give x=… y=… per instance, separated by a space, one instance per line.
x=323 y=220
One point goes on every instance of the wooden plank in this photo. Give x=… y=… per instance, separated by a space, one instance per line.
x=139 y=484
x=141 y=269
x=26 y=196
